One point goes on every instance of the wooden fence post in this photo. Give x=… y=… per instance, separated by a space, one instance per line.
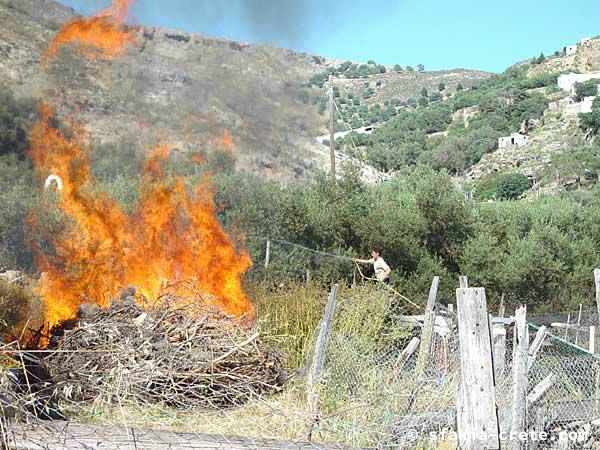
x=428 y=325
x=404 y=356
x=537 y=412
x=463 y=282
x=501 y=307
x=597 y=283
x=318 y=362
x=537 y=343
x=578 y=325
x=519 y=387
x=540 y=389
x=477 y=417
x=268 y=254
x=499 y=345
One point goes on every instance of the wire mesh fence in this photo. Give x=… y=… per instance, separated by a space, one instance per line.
x=379 y=389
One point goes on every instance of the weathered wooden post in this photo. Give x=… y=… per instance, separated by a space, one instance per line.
x=477 y=417
x=499 y=345
x=519 y=387
x=535 y=346
x=404 y=356
x=567 y=327
x=318 y=362
x=451 y=316
x=501 y=307
x=463 y=281
x=428 y=325
x=538 y=411
x=578 y=325
x=597 y=283
x=268 y=254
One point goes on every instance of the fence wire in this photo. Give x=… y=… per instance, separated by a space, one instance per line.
x=374 y=393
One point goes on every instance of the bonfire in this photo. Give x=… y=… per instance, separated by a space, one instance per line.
x=183 y=334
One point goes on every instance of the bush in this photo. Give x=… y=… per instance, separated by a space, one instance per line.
x=18 y=195
x=591 y=121
x=508 y=186
x=17 y=305
x=15 y=120
x=586 y=89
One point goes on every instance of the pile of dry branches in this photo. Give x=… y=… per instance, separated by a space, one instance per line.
x=162 y=355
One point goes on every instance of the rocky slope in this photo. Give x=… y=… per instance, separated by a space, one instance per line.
x=182 y=88
x=556 y=133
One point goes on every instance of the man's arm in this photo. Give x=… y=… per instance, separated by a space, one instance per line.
x=362 y=261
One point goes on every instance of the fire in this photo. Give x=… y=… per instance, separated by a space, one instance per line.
x=171 y=243
x=104 y=33
x=225 y=141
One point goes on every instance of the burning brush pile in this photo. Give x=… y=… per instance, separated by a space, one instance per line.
x=181 y=337
x=171 y=355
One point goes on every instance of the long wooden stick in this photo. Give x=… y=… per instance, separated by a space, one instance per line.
x=389 y=288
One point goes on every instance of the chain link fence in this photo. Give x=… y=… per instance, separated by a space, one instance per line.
x=379 y=389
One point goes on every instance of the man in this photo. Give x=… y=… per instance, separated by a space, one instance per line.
x=382 y=270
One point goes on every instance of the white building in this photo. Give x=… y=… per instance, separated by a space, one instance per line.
x=514 y=140
x=340 y=134
x=586 y=104
x=567 y=82
x=585 y=41
x=570 y=49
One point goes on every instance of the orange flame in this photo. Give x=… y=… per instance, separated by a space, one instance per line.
x=172 y=238
x=225 y=141
x=102 y=34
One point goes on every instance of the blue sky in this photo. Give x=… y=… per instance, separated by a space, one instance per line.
x=474 y=34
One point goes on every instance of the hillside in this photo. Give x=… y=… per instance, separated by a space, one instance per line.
x=526 y=123
x=547 y=156
x=187 y=89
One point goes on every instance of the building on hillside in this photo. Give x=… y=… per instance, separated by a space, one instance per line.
x=585 y=41
x=570 y=49
x=560 y=105
x=586 y=104
x=567 y=82
x=514 y=140
x=342 y=134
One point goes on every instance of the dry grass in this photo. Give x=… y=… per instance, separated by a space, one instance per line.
x=18 y=305
x=359 y=396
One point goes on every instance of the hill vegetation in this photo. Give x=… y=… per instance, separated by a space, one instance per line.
x=434 y=135
x=541 y=252
x=437 y=131
x=186 y=89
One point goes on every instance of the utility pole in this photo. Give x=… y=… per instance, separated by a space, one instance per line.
x=331 y=127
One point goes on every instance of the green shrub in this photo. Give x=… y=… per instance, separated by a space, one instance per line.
x=18 y=195
x=586 y=89
x=15 y=120
x=591 y=121
x=17 y=305
x=508 y=186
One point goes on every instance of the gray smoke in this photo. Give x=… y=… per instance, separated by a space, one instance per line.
x=282 y=21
